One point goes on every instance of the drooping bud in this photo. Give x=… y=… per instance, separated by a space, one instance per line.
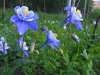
x=36 y=51
x=74 y=37
x=32 y=46
x=44 y=28
x=61 y=51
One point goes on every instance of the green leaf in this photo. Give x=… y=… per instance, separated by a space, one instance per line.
x=85 y=54
x=72 y=72
x=74 y=57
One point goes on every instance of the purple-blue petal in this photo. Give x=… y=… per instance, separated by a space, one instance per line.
x=68 y=8
x=36 y=16
x=55 y=44
x=7 y=47
x=25 y=53
x=33 y=25
x=30 y=15
x=15 y=9
x=4 y=51
x=65 y=21
x=23 y=8
x=20 y=41
x=22 y=27
x=14 y=19
x=78 y=25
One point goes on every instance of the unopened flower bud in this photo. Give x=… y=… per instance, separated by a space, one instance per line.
x=32 y=46
x=74 y=37
x=36 y=51
x=61 y=51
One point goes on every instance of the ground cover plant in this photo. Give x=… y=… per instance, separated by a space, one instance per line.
x=70 y=58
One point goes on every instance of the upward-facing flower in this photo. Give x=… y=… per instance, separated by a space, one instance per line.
x=51 y=40
x=24 y=19
x=73 y=17
x=3 y=46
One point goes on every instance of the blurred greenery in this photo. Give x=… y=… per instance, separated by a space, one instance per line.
x=73 y=58
x=51 y=6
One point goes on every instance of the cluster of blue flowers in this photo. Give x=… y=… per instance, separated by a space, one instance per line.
x=25 y=19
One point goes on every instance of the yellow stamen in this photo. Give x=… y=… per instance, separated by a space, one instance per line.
x=78 y=12
x=55 y=34
x=25 y=12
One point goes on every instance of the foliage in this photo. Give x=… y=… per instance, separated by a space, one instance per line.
x=94 y=14
x=72 y=59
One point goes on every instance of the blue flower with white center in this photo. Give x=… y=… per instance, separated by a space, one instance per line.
x=73 y=17
x=23 y=46
x=24 y=19
x=3 y=46
x=51 y=40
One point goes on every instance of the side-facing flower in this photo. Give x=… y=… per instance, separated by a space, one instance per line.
x=24 y=49
x=20 y=42
x=51 y=40
x=73 y=17
x=3 y=46
x=24 y=19
x=23 y=46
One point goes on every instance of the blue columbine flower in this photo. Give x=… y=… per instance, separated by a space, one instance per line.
x=3 y=46
x=73 y=17
x=24 y=19
x=23 y=46
x=51 y=40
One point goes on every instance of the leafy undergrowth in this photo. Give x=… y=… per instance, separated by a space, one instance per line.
x=73 y=58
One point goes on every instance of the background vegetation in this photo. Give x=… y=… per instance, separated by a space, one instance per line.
x=50 y=6
x=73 y=58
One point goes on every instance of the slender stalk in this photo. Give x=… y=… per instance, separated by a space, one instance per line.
x=20 y=2
x=68 y=4
x=44 y=10
x=93 y=36
x=73 y=4
x=4 y=6
x=85 y=8
x=77 y=4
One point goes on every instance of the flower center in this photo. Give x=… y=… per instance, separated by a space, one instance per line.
x=55 y=35
x=78 y=12
x=25 y=12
